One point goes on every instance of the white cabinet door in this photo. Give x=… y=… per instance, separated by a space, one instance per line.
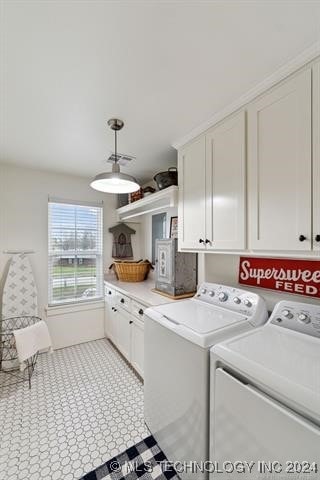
x=316 y=156
x=109 y=301
x=107 y=314
x=192 y=180
x=225 y=176
x=279 y=167
x=137 y=346
x=123 y=329
x=112 y=325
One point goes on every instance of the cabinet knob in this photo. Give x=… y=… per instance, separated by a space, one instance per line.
x=122 y=300
x=131 y=321
x=114 y=309
x=317 y=238
x=140 y=311
x=302 y=238
x=201 y=240
x=207 y=240
x=109 y=292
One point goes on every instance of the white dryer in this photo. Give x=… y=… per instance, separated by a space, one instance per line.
x=265 y=397
x=178 y=337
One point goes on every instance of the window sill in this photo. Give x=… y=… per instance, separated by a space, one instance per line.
x=53 y=310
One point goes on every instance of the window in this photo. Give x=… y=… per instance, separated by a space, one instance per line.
x=75 y=252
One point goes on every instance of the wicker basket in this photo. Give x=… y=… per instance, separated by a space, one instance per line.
x=132 y=271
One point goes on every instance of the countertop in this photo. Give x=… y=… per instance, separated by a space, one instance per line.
x=140 y=291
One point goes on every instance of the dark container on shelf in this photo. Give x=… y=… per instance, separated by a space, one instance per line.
x=166 y=179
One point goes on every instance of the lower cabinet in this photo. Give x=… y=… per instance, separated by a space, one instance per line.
x=137 y=346
x=125 y=328
x=109 y=320
x=112 y=332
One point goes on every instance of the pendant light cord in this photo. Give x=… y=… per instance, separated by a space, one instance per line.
x=115 y=147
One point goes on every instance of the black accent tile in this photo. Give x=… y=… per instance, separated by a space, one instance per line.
x=150 y=441
x=132 y=453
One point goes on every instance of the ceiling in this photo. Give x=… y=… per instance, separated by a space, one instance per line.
x=163 y=67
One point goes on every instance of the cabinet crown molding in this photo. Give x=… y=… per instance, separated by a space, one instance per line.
x=308 y=55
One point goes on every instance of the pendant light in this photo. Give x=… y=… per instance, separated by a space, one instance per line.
x=115 y=181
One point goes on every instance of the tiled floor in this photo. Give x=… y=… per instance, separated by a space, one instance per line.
x=85 y=406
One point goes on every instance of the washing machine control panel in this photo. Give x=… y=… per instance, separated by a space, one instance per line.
x=300 y=317
x=234 y=299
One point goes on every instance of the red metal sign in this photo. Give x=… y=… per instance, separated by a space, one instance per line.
x=301 y=277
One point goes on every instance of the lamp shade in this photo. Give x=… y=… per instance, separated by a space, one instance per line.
x=115 y=182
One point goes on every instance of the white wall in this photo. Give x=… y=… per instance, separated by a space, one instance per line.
x=146 y=225
x=24 y=225
x=219 y=268
x=146 y=230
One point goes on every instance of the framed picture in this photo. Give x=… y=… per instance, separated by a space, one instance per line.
x=174 y=227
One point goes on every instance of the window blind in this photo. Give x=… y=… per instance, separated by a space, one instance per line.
x=75 y=252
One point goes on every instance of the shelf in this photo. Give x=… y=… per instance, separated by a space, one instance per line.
x=156 y=201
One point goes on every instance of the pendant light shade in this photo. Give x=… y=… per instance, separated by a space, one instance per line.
x=115 y=181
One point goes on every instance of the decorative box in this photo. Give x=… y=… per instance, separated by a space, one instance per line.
x=176 y=272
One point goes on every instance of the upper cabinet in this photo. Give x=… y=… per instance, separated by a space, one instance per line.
x=280 y=166
x=212 y=188
x=316 y=155
x=252 y=182
x=225 y=187
x=192 y=195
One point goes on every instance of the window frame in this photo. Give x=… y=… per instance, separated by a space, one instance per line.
x=97 y=253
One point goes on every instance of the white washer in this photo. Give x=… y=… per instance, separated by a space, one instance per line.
x=265 y=396
x=178 y=337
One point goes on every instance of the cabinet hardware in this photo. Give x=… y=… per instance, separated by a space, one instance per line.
x=201 y=240
x=122 y=300
x=109 y=292
x=131 y=321
x=115 y=310
x=207 y=241
x=302 y=238
x=317 y=238
x=140 y=311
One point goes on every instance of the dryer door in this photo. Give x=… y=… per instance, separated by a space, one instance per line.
x=249 y=426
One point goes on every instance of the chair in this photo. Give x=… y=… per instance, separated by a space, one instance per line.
x=8 y=353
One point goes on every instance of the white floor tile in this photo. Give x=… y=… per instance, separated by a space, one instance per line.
x=85 y=406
